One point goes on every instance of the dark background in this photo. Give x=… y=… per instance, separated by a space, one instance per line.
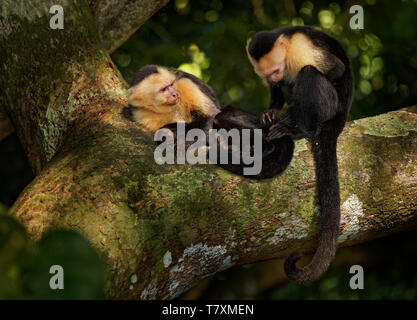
x=208 y=39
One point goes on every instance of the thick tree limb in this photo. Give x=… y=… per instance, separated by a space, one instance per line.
x=243 y=283
x=169 y=227
x=162 y=229
x=41 y=71
x=116 y=21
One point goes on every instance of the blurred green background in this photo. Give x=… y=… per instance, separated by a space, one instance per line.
x=208 y=39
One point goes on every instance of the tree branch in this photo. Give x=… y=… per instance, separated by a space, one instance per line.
x=116 y=21
x=170 y=227
x=162 y=229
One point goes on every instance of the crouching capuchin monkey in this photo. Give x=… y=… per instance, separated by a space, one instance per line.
x=310 y=71
x=160 y=98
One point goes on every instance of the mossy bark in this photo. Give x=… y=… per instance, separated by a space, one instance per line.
x=115 y=21
x=162 y=229
x=171 y=226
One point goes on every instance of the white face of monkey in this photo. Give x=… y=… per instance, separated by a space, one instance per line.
x=272 y=65
x=157 y=92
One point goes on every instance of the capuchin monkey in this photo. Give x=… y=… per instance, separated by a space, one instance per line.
x=160 y=98
x=309 y=70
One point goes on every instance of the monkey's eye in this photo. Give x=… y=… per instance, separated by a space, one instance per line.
x=167 y=87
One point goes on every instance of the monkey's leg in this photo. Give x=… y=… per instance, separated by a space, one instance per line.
x=280 y=129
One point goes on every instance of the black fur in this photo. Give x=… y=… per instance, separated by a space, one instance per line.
x=143 y=73
x=261 y=44
x=276 y=155
x=127 y=113
x=318 y=108
x=199 y=120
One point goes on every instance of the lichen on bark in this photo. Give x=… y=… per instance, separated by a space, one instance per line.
x=97 y=174
x=108 y=187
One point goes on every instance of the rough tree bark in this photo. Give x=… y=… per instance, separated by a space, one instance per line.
x=162 y=229
x=116 y=21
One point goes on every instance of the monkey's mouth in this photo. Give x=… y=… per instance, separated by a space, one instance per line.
x=173 y=101
x=276 y=76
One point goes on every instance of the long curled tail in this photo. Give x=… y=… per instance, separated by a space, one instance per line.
x=327 y=190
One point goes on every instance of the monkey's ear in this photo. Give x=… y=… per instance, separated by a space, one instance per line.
x=134 y=96
x=179 y=74
x=282 y=40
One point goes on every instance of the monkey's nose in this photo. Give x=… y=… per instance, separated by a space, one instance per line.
x=275 y=77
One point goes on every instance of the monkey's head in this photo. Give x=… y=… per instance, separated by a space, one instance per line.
x=154 y=88
x=160 y=96
x=267 y=52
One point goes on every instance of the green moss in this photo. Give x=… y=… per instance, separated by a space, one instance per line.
x=305 y=206
x=42 y=197
x=300 y=146
x=392 y=124
x=188 y=184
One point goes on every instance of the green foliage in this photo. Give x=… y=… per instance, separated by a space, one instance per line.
x=15 y=172
x=208 y=39
x=24 y=265
x=388 y=274
x=335 y=286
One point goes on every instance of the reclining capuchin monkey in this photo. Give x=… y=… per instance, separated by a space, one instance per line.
x=160 y=98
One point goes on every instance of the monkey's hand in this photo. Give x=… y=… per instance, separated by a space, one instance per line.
x=268 y=116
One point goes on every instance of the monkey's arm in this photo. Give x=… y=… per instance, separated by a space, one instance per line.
x=199 y=120
x=233 y=118
x=277 y=97
x=276 y=103
x=314 y=101
x=276 y=155
x=337 y=70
